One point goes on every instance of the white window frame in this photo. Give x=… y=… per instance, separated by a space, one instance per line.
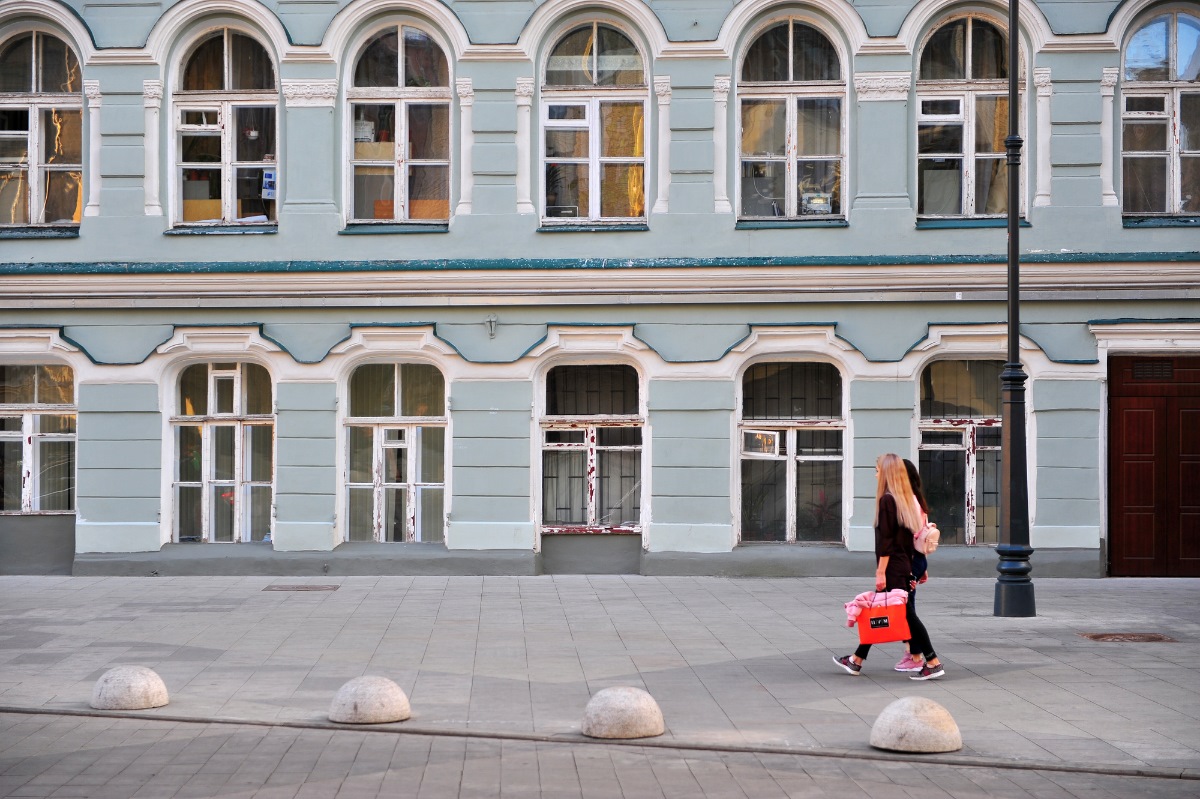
x=241 y=481
x=224 y=104
x=1171 y=92
x=401 y=97
x=790 y=92
x=966 y=92
x=588 y=426
x=34 y=168
x=30 y=437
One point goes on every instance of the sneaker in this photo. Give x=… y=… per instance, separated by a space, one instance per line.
x=928 y=672
x=852 y=668
x=908 y=664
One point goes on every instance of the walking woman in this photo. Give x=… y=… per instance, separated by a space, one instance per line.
x=897 y=515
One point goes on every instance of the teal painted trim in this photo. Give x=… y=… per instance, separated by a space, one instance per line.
x=750 y=224
x=1135 y=320
x=632 y=228
x=62 y=232
x=222 y=230
x=388 y=230
x=529 y=264
x=953 y=224
x=1160 y=221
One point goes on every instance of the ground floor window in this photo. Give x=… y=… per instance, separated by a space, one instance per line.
x=37 y=438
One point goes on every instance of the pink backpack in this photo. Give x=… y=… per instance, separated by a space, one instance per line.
x=926 y=539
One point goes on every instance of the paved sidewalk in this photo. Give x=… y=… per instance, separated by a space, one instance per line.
x=499 y=669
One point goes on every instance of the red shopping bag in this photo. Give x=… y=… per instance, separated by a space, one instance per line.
x=882 y=624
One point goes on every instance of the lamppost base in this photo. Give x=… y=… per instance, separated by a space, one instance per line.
x=1014 y=588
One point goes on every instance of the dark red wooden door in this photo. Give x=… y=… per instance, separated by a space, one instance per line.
x=1154 y=467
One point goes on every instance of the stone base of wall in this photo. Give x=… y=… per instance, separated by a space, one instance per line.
x=572 y=555
x=37 y=544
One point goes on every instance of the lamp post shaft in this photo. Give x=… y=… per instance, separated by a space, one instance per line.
x=1014 y=588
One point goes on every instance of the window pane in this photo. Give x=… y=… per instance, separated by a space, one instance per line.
x=187 y=504
x=567 y=190
x=818 y=442
x=360 y=514
x=16 y=64
x=55 y=385
x=223 y=499
x=813 y=56
x=223 y=453
x=944 y=478
x=622 y=190
x=60 y=68
x=200 y=149
x=942 y=438
x=429 y=132
x=193 y=390
x=379 y=63
x=619 y=437
x=1154 y=104
x=260 y=441
x=14 y=198
x=991 y=124
x=374 y=192
x=991 y=186
x=961 y=390
x=763 y=188
x=56 y=478
x=1189 y=120
x=618 y=62
x=619 y=488
x=564 y=488
x=395 y=510
x=252 y=67
x=202 y=195
x=1189 y=168
x=568 y=112
x=950 y=107
x=433 y=454
x=13 y=150
x=422 y=390
x=989 y=51
x=592 y=390
x=55 y=424
x=224 y=394
x=62 y=132
x=260 y=513
x=792 y=391
x=16 y=384
x=430 y=514
x=395 y=465
x=428 y=192
x=566 y=143
x=766 y=59
x=941 y=186
x=818 y=501
x=190 y=453
x=559 y=436
x=570 y=63
x=374 y=132
x=940 y=139
x=256 y=385
x=256 y=195
x=621 y=130
x=62 y=194
x=944 y=56
x=1144 y=185
x=10 y=475
x=764 y=127
x=988 y=437
x=361 y=452
x=987 y=497
x=819 y=187
x=1146 y=55
x=373 y=390
x=255 y=133
x=1188 y=47
x=205 y=68
x=424 y=61
x=1144 y=136
x=819 y=126
x=764 y=500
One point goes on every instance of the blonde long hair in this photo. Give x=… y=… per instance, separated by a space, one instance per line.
x=893 y=479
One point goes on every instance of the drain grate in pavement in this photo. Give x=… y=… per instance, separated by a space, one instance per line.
x=1130 y=638
x=300 y=587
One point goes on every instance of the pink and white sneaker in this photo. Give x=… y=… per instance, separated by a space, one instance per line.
x=908 y=664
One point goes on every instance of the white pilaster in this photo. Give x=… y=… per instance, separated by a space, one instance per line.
x=1108 y=86
x=1045 y=91
x=466 y=104
x=721 y=145
x=91 y=90
x=524 y=174
x=662 y=88
x=152 y=101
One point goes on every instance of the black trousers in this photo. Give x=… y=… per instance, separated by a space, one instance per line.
x=919 y=642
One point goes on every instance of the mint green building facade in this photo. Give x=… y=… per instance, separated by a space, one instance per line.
x=402 y=286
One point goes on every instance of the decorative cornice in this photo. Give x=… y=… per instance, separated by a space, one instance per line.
x=662 y=87
x=91 y=88
x=721 y=86
x=1108 y=80
x=880 y=86
x=466 y=92
x=1041 y=79
x=152 y=92
x=524 y=89
x=309 y=93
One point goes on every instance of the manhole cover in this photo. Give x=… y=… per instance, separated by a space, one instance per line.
x=301 y=588
x=1130 y=638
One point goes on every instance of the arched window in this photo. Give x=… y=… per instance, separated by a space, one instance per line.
x=791 y=434
x=396 y=453
x=594 y=127
x=1160 y=136
x=960 y=449
x=962 y=121
x=592 y=450
x=400 y=128
x=37 y=438
x=792 y=124
x=41 y=132
x=226 y=132
x=224 y=453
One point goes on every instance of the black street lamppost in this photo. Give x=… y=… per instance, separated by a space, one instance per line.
x=1014 y=588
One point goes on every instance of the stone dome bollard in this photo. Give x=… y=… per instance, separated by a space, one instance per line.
x=129 y=688
x=369 y=700
x=622 y=712
x=916 y=724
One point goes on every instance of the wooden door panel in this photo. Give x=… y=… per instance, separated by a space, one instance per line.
x=1136 y=546
x=1183 y=528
